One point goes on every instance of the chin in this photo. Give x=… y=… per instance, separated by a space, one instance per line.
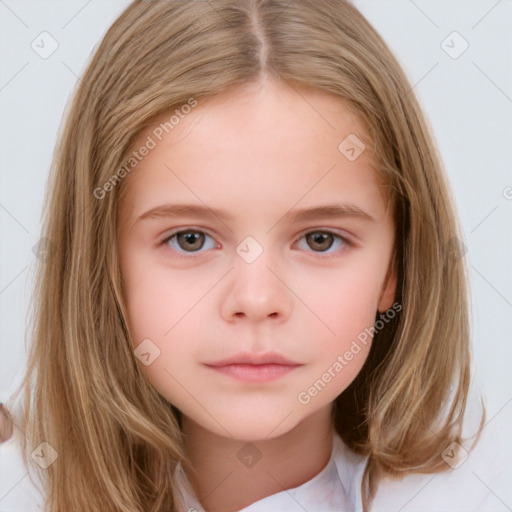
x=252 y=425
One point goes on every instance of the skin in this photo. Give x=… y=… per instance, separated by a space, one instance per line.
x=258 y=153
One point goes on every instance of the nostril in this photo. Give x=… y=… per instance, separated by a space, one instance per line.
x=6 y=424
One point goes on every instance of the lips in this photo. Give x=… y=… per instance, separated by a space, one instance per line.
x=247 y=358
x=255 y=368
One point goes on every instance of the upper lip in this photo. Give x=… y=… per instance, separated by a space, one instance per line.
x=256 y=359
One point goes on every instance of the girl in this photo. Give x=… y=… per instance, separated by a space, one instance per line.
x=255 y=297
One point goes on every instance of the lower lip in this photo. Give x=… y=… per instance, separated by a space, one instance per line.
x=255 y=372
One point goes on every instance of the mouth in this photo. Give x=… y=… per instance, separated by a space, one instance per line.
x=255 y=372
x=255 y=367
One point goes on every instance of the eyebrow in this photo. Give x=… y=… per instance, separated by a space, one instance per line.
x=335 y=210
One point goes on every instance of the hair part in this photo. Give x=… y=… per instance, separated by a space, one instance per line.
x=118 y=441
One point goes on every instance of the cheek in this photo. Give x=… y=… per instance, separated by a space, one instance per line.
x=343 y=302
x=158 y=299
x=345 y=306
x=165 y=317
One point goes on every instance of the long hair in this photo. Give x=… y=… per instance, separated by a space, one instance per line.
x=116 y=439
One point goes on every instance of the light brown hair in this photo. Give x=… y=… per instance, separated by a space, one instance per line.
x=118 y=441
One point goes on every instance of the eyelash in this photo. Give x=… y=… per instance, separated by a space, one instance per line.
x=346 y=242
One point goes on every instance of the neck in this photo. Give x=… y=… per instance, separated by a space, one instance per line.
x=230 y=476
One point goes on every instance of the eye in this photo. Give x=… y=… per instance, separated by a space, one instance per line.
x=187 y=241
x=322 y=241
x=192 y=241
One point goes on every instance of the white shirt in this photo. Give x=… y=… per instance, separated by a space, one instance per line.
x=482 y=483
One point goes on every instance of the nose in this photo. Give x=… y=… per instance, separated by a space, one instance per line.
x=255 y=292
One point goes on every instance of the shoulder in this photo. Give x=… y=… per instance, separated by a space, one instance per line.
x=477 y=476
x=475 y=480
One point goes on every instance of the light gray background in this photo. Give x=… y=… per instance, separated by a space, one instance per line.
x=468 y=101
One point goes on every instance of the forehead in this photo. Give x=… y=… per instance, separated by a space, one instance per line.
x=259 y=142
x=259 y=109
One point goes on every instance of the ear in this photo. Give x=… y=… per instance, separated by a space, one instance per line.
x=388 y=292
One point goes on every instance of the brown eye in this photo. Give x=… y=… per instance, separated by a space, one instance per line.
x=326 y=243
x=190 y=240
x=320 y=241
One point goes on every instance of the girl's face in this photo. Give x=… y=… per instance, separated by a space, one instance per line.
x=284 y=247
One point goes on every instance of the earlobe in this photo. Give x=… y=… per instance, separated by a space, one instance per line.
x=388 y=291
